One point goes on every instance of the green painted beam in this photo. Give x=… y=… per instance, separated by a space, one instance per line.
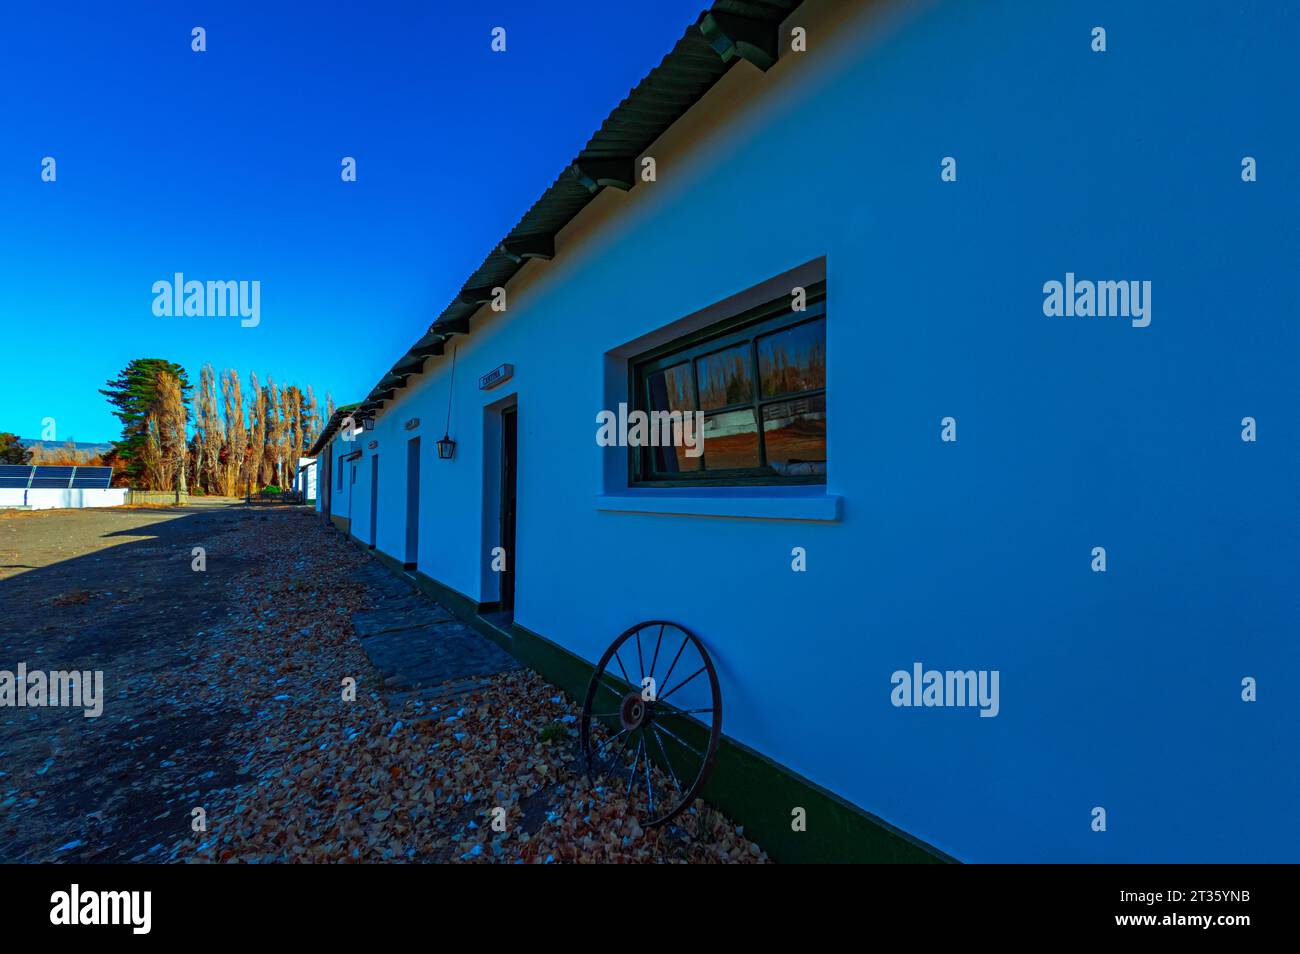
x=744 y=37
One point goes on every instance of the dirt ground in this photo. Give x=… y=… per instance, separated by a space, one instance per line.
x=31 y=539
x=225 y=737
x=109 y=590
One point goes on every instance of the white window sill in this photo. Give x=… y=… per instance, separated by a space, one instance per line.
x=726 y=502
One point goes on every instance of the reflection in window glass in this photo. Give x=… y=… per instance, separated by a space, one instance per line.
x=758 y=378
x=795 y=435
x=794 y=359
x=731 y=440
x=724 y=377
x=675 y=460
x=671 y=390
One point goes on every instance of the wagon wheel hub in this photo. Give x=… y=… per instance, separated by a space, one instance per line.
x=634 y=712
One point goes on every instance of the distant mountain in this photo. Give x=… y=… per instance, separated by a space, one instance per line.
x=82 y=449
x=97 y=448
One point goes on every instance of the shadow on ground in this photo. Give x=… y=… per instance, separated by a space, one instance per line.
x=116 y=787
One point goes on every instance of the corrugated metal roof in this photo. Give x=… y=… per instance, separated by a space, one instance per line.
x=729 y=31
x=331 y=426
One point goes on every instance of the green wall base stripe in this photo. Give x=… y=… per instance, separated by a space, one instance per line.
x=747 y=786
x=757 y=792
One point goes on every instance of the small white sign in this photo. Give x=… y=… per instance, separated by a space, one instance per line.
x=496 y=376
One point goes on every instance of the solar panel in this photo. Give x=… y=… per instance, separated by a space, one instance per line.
x=92 y=478
x=13 y=475
x=50 y=477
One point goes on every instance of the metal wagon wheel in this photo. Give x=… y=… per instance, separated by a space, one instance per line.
x=655 y=738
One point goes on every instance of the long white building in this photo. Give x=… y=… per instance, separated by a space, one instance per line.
x=844 y=233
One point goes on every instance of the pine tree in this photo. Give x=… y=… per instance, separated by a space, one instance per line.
x=134 y=395
x=12 y=452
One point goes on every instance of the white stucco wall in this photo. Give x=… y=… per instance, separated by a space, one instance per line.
x=305 y=479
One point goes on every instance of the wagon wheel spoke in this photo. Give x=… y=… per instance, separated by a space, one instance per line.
x=669 y=709
x=619 y=658
x=667 y=761
x=658 y=642
x=611 y=762
x=596 y=750
x=673 y=665
x=680 y=741
x=682 y=683
x=636 y=757
x=612 y=738
x=649 y=789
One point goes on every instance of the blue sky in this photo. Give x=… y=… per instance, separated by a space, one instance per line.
x=225 y=165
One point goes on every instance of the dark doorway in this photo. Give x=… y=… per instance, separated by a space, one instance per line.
x=352 y=492
x=325 y=480
x=509 y=470
x=374 y=500
x=412 y=502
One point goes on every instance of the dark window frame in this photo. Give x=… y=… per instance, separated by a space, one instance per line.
x=748 y=326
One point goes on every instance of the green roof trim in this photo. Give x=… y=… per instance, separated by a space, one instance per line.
x=331 y=426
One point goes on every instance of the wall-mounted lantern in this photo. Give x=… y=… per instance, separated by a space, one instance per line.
x=368 y=423
x=447 y=446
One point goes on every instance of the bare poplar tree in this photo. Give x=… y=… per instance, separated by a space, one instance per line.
x=290 y=409
x=210 y=436
x=257 y=433
x=151 y=454
x=236 y=433
x=274 y=434
x=310 y=415
x=171 y=420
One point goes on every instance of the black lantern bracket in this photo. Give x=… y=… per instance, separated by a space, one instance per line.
x=447 y=446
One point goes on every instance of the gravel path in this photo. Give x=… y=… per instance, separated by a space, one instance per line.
x=231 y=730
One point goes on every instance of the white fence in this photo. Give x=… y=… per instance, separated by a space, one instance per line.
x=48 y=499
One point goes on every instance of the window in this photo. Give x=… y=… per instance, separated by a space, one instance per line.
x=340 y=473
x=759 y=380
